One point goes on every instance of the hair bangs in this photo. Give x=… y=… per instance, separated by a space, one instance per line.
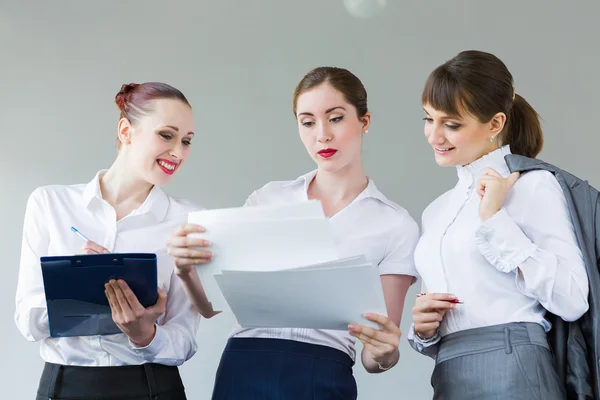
x=444 y=93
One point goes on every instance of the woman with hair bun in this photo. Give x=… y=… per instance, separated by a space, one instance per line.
x=122 y=209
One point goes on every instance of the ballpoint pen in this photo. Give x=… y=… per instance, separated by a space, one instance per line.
x=81 y=235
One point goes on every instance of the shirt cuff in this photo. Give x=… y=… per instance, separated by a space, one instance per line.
x=412 y=335
x=151 y=350
x=428 y=347
x=503 y=243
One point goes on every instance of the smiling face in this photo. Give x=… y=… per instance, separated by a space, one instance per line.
x=330 y=127
x=159 y=142
x=460 y=140
x=471 y=108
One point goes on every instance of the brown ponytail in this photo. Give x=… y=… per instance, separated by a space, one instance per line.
x=523 y=131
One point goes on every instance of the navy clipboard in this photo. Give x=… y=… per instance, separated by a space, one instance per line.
x=74 y=287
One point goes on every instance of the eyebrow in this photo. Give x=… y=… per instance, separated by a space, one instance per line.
x=447 y=117
x=326 y=111
x=176 y=129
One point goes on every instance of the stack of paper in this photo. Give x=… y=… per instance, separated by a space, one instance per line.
x=276 y=266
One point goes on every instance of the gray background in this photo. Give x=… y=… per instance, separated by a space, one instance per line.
x=238 y=62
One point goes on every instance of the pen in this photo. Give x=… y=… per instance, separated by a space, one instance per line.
x=455 y=301
x=81 y=235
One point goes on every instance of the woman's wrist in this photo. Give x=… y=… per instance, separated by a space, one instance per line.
x=389 y=362
x=184 y=273
x=144 y=340
x=426 y=338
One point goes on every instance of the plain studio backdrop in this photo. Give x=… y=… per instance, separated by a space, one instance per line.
x=238 y=63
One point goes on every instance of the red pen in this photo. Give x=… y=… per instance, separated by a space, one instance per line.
x=455 y=301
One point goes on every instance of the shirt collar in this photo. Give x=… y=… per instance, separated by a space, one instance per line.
x=157 y=202
x=92 y=190
x=305 y=179
x=495 y=160
x=370 y=191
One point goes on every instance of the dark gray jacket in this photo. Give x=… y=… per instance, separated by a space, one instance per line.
x=576 y=345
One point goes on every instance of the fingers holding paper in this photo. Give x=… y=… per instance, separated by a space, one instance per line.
x=381 y=343
x=137 y=322
x=188 y=251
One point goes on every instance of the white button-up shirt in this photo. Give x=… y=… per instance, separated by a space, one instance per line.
x=479 y=261
x=371 y=225
x=51 y=211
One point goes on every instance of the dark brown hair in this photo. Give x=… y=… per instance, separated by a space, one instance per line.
x=342 y=80
x=481 y=85
x=133 y=99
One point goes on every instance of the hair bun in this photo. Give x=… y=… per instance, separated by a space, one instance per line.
x=121 y=97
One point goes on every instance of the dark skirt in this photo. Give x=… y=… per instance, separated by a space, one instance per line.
x=508 y=362
x=135 y=382
x=276 y=369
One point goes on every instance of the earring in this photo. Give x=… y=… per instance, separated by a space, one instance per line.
x=367 y=131
x=492 y=139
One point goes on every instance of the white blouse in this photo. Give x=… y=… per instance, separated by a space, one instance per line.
x=479 y=261
x=51 y=211
x=371 y=225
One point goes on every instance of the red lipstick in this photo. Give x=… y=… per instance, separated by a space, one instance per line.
x=168 y=167
x=327 y=153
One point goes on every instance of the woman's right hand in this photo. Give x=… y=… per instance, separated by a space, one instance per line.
x=188 y=251
x=429 y=312
x=90 y=247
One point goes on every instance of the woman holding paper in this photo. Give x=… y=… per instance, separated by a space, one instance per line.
x=503 y=245
x=330 y=105
x=121 y=210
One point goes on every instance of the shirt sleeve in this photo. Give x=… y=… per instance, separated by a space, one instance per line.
x=175 y=339
x=534 y=234
x=399 y=258
x=31 y=314
x=428 y=347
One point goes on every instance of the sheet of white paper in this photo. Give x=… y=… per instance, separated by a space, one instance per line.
x=314 y=299
x=356 y=261
x=266 y=245
x=342 y=262
x=304 y=209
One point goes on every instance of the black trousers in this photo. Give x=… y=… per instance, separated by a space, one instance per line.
x=131 y=382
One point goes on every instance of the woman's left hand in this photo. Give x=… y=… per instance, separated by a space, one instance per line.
x=492 y=189
x=137 y=322
x=381 y=343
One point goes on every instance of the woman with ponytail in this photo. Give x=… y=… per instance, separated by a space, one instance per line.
x=498 y=250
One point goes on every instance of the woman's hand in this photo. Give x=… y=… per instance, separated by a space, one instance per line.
x=429 y=312
x=382 y=343
x=492 y=189
x=188 y=251
x=137 y=322
x=90 y=247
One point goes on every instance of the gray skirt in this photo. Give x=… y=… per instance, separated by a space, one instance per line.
x=508 y=362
